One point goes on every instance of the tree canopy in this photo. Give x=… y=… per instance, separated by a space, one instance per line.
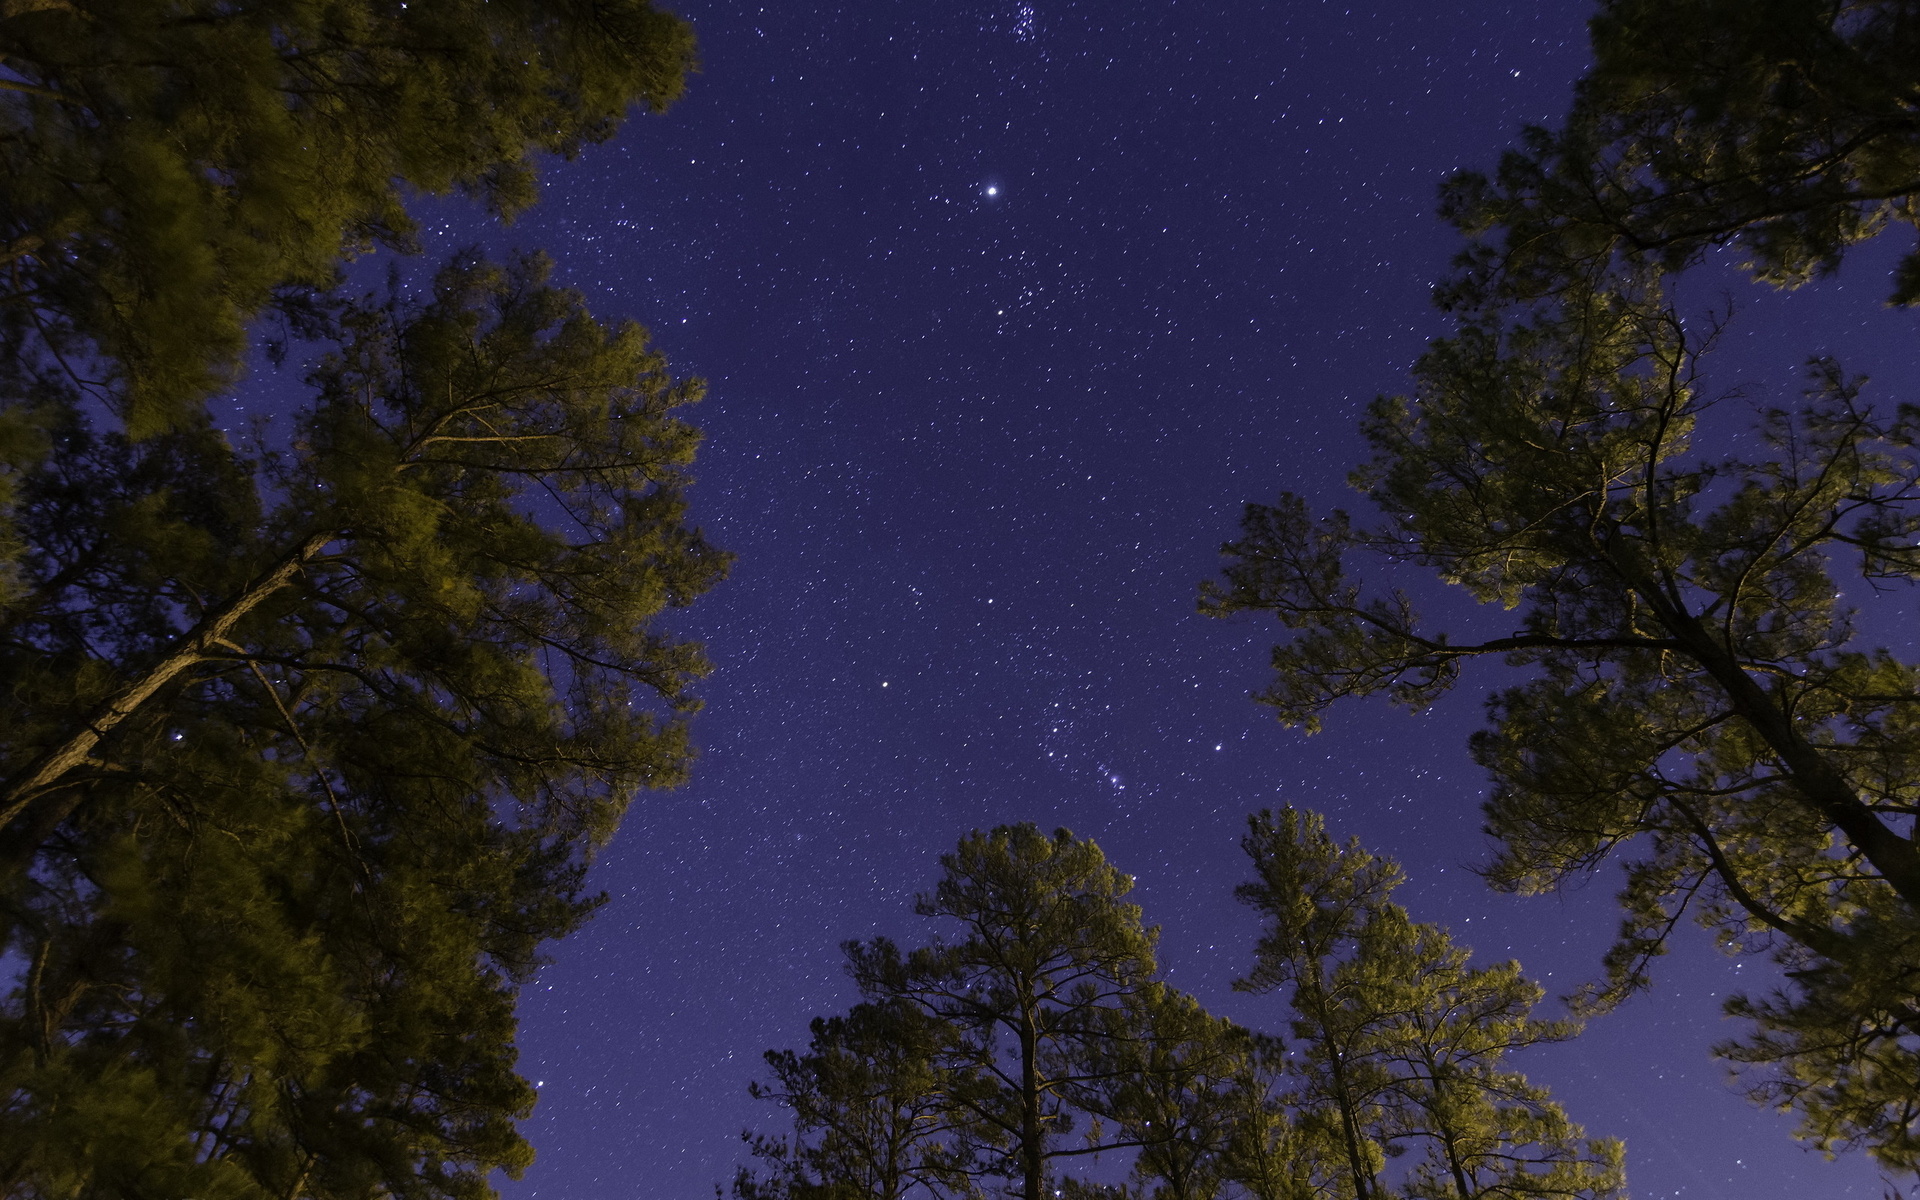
x=1400 y=1044
x=308 y=737
x=166 y=168
x=1699 y=695
x=978 y=1059
x=1782 y=127
x=872 y=1115
x=306 y=749
x=1049 y=954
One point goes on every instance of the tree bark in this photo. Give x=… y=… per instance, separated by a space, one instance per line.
x=46 y=771
x=1363 y=1180
x=1030 y=1160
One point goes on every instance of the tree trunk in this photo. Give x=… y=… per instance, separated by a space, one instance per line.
x=1824 y=788
x=1363 y=1181
x=1030 y=1160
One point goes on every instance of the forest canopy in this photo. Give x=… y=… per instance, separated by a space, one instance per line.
x=308 y=736
x=1031 y=1049
x=170 y=169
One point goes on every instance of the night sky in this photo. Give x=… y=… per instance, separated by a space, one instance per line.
x=1006 y=309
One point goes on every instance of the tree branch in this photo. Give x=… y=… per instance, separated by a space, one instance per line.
x=51 y=766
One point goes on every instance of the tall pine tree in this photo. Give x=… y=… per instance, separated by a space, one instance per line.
x=874 y=1112
x=306 y=751
x=1167 y=1074
x=1049 y=953
x=1046 y=1017
x=1400 y=1044
x=1316 y=900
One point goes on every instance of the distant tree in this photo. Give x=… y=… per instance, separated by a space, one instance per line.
x=304 y=752
x=978 y=1058
x=1043 y=1021
x=1400 y=1043
x=1206 y=1104
x=1274 y=1149
x=1784 y=127
x=1165 y=1074
x=1316 y=900
x=872 y=1112
x=1050 y=953
x=165 y=168
x=1486 y=1131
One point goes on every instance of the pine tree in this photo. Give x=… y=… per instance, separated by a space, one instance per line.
x=165 y=169
x=1701 y=689
x=1275 y=1150
x=1316 y=900
x=1699 y=695
x=1486 y=1131
x=306 y=751
x=305 y=747
x=1164 y=1072
x=872 y=1112
x=1047 y=957
x=1049 y=953
x=1400 y=1042
x=1042 y=1021
x=1046 y=1017
x=1781 y=127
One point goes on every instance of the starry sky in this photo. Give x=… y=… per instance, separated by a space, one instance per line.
x=1006 y=308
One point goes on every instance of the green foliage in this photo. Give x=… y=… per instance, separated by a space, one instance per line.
x=1399 y=1043
x=872 y=1117
x=165 y=168
x=976 y=1059
x=1050 y=955
x=1782 y=126
x=1696 y=691
x=1274 y=1149
x=1839 y=1047
x=1697 y=695
x=1175 y=1082
x=1317 y=902
x=305 y=751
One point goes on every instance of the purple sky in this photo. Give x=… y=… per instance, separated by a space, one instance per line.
x=1006 y=309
